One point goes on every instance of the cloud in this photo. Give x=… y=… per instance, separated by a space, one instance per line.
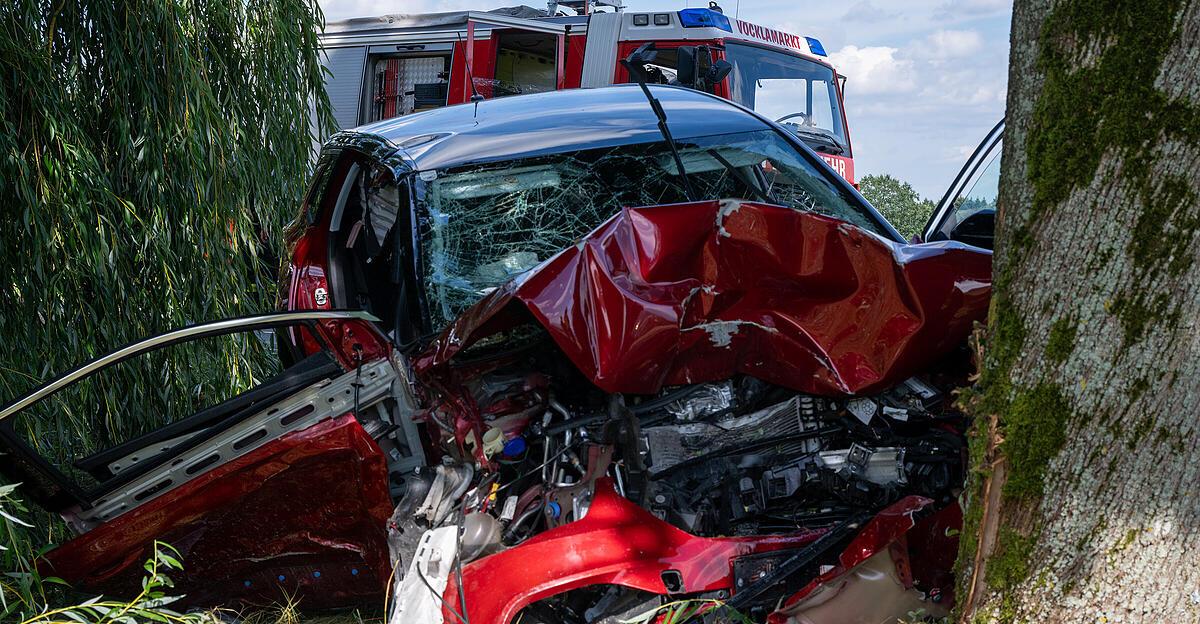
x=866 y=12
x=951 y=44
x=975 y=8
x=875 y=69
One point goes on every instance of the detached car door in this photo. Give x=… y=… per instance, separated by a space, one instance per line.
x=267 y=479
x=967 y=212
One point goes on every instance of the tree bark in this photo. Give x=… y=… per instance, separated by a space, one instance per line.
x=1084 y=505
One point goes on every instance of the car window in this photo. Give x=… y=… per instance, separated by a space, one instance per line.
x=483 y=224
x=977 y=195
x=982 y=192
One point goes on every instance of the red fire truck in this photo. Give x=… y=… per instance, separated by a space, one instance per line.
x=393 y=65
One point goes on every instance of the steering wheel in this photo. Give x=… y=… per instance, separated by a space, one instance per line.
x=787 y=117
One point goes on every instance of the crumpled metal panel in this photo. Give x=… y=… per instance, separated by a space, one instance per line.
x=616 y=543
x=924 y=548
x=698 y=292
x=303 y=515
x=619 y=543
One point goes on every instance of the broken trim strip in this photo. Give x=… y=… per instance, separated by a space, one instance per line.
x=742 y=599
x=226 y=326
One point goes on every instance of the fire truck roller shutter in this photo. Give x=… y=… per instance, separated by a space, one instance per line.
x=600 y=55
x=345 y=83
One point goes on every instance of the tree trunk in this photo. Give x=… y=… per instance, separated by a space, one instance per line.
x=1084 y=506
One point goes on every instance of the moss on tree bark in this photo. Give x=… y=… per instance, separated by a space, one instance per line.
x=1082 y=505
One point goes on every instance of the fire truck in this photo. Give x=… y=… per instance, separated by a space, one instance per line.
x=393 y=65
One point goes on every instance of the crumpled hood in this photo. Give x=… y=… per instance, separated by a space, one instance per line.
x=699 y=292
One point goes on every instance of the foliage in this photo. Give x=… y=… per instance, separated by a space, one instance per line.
x=898 y=202
x=150 y=155
x=688 y=610
x=26 y=596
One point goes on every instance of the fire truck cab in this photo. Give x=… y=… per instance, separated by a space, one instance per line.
x=393 y=65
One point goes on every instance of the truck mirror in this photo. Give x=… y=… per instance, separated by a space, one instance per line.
x=718 y=71
x=687 y=69
x=695 y=68
x=636 y=62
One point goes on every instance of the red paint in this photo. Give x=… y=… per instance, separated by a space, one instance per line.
x=310 y=506
x=912 y=540
x=933 y=549
x=560 y=56
x=755 y=32
x=619 y=543
x=616 y=543
x=842 y=165
x=469 y=50
x=818 y=306
x=625 y=48
x=483 y=68
x=308 y=277
x=576 y=47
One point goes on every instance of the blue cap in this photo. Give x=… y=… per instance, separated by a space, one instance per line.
x=554 y=510
x=514 y=447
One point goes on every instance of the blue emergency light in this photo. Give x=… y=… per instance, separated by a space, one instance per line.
x=704 y=18
x=815 y=46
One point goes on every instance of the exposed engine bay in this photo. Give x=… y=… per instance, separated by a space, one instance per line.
x=751 y=424
x=739 y=458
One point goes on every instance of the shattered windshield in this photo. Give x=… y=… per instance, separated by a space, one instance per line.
x=795 y=91
x=483 y=224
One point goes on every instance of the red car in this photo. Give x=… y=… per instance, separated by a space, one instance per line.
x=598 y=372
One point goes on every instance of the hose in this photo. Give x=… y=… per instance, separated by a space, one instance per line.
x=515 y=525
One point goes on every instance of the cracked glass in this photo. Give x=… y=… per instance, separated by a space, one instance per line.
x=484 y=224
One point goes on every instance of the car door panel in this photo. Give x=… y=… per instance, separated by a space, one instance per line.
x=138 y=455
x=304 y=512
x=273 y=491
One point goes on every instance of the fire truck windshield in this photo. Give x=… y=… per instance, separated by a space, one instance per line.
x=793 y=90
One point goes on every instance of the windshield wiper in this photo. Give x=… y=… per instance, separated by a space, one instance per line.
x=635 y=65
x=830 y=141
x=760 y=192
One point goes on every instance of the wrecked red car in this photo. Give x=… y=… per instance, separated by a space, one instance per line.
x=598 y=372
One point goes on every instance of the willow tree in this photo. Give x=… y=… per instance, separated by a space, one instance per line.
x=150 y=154
x=1084 y=507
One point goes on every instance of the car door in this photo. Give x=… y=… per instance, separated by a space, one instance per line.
x=271 y=481
x=967 y=212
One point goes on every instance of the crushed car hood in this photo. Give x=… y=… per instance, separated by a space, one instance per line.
x=698 y=292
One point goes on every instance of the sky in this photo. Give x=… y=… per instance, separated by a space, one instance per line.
x=926 y=79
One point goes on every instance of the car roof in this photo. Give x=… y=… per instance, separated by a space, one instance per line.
x=558 y=121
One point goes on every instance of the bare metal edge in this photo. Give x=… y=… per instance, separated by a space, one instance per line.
x=215 y=327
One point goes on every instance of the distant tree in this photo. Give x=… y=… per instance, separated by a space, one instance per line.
x=898 y=201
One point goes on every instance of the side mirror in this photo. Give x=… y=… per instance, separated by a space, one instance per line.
x=978 y=229
x=637 y=60
x=719 y=71
x=687 y=67
x=696 y=69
